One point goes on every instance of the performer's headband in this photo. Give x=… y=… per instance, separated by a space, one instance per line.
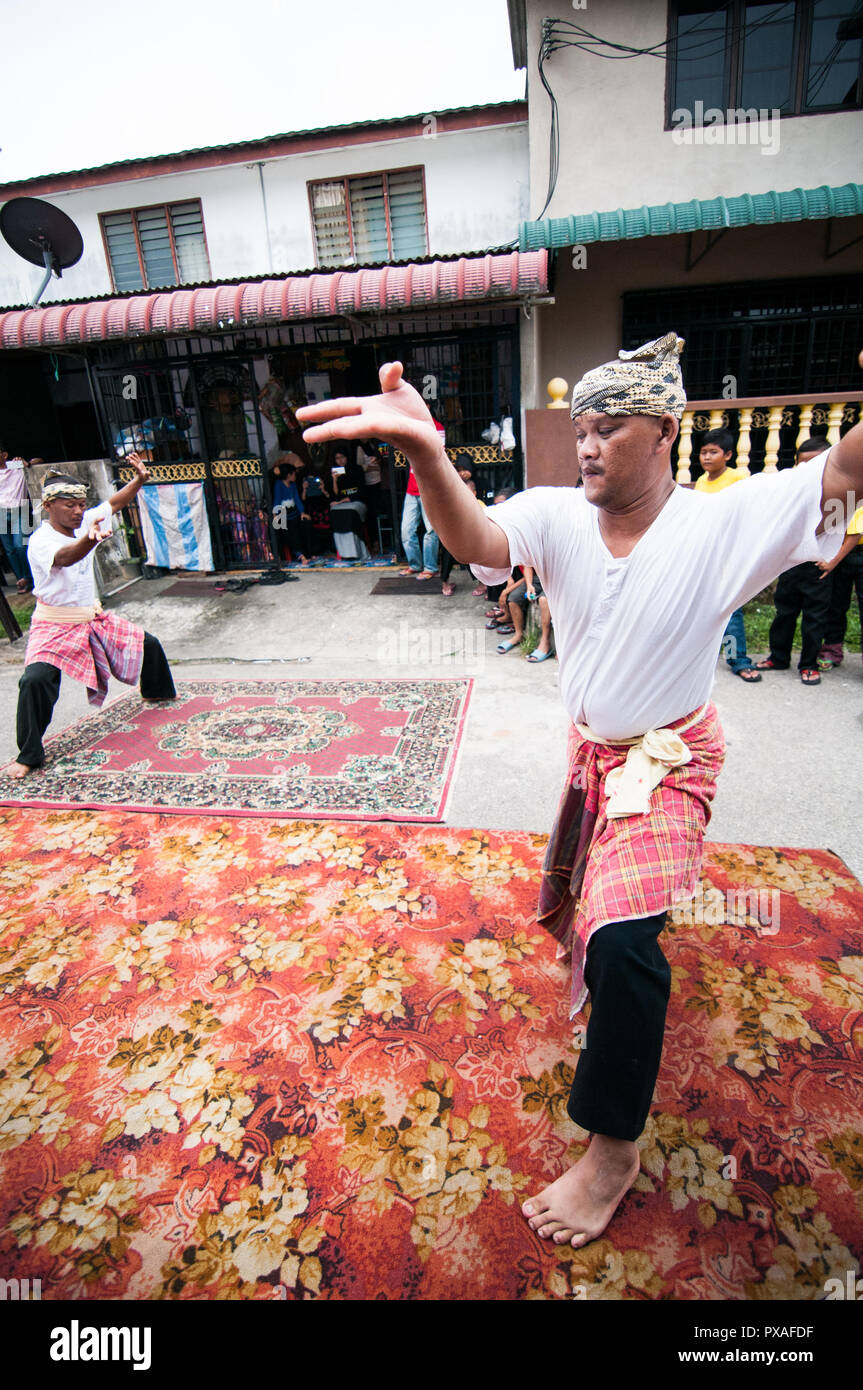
x=646 y=381
x=63 y=487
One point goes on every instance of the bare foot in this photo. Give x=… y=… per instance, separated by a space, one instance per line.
x=579 y=1205
x=19 y=770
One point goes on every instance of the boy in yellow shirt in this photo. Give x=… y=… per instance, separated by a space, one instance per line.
x=717 y=449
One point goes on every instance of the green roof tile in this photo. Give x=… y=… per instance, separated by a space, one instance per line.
x=699 y=214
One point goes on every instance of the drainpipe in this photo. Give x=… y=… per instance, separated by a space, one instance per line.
x=260 y=168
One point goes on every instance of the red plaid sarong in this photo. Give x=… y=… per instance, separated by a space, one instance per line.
x=598 y=870
x=90 y=652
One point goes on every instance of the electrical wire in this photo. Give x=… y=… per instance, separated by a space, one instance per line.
x=560 y=33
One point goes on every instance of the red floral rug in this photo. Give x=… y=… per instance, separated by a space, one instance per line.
x=346 y=749
x=254 y=1060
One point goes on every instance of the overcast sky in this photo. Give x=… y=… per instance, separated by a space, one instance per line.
x=87 y=82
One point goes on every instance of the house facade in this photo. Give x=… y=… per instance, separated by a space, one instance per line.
x=221 y=288
x=696 y=167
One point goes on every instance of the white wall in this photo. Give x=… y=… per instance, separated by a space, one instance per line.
x=476 y=193
x=614 y=149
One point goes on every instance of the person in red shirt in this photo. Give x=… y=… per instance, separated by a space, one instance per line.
x=422 y=564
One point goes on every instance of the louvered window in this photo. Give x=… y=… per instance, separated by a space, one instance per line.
x=151 y=248
x=373 y=217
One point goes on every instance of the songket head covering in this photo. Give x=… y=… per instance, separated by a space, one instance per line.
x=63 y=485
x=645 y=381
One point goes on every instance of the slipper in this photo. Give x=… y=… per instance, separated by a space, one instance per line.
x=810 y=677
x=502 y=628
x=768 y=664
x=504 y=647
x=406 y=574
x=494 y=613
x=447 y=590
x=479 y=591
x=749 y=674
x=536 y=657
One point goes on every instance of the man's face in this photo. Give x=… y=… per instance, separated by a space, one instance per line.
x=620 y=456
x=713 y=459
x=66 y=513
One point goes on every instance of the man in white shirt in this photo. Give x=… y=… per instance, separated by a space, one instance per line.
x=69 y=632
x=15 y=517
x=641 y=577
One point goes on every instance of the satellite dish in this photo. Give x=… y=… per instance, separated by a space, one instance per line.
x=43 y=235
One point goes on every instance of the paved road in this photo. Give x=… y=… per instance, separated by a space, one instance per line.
x=792 y=773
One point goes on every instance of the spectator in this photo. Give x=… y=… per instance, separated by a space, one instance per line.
x=802 y=590
x=717 y=450
x=525 y=591
x=15 y=522
x=289 y=515
x=847 y=571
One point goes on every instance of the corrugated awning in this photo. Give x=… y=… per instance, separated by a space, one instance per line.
x=223 y=308
x=699 y=214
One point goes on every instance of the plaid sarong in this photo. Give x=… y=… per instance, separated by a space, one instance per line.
x=90 y=651
x=598 y=870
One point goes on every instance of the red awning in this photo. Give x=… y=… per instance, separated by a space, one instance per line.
x=215 y=308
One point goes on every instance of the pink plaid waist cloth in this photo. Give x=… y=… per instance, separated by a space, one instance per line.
x=599 y=870
x=90 y=651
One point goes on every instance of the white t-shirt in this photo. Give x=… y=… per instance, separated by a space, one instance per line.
x=13 y=484
x=74 y=585
x=637 y=639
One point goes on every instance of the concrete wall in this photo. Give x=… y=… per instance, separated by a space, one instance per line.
x=476 y=193
x=614 y=149
x=583 y=327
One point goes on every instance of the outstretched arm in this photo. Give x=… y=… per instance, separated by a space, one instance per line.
x=400 y=416
x=124 y=496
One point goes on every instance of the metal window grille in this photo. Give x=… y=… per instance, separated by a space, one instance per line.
x=776 y=338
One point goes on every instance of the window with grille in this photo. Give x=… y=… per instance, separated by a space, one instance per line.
x=152 y=248
x=796 y=57
x=373 y=217
x=775 y=338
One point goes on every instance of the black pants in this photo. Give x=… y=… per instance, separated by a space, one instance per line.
x=298 y=534
x=847 y=576
x=39 y=688
x=629 y=981
x=800 y=589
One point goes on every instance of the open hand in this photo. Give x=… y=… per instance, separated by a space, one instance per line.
x=96 y=533
x=398 y=415
x=140 y=467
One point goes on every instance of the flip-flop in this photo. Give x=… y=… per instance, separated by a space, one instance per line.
x=536 y=657
x=749 y=674
x=504 y=647
x=810 y=677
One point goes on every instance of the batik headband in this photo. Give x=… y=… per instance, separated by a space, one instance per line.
x=645 y=381
x=59 y=487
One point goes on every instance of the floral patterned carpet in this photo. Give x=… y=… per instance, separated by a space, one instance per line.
x=343 y=749
x=253 y=1059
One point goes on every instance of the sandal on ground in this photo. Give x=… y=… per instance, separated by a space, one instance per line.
x=536 y=657
x=767 y=664
x=407 y=573
x=479 y=591
x=504 y=647
x=499 y=625
x=749 y=674
x=494 y=613
x=810 y=676
x=447 y=590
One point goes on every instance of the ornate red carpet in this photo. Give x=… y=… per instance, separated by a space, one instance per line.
x=253 y=1059
x=343 y=749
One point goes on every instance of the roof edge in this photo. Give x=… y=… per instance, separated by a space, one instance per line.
x=699 y=214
